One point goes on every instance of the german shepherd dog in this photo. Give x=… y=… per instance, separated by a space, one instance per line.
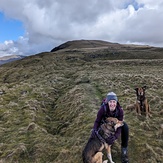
x=142 y=105
x=92 y=152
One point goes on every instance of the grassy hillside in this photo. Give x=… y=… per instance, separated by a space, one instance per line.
x=48 y=102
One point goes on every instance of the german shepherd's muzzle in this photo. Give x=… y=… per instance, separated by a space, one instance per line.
x=141 y=101
x=92 y=152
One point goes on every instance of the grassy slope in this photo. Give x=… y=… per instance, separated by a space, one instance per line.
x=51 y=100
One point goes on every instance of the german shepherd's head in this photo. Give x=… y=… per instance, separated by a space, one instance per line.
x=140 y=92
x=114 y=122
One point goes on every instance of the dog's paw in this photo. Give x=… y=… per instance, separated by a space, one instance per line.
x=106 y=161
x=150 y=115
x=147 y=116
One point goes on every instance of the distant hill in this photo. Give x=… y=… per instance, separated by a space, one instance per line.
x=76 y=44
x=49 y=101
x=10 y=58
x=104 y=49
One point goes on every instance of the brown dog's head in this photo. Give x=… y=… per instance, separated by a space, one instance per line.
x=140 y=92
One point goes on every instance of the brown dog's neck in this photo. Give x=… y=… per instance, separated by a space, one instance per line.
x=141 y=98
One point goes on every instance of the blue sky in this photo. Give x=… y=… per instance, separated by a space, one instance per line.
x=10 y=29
x=36 y=26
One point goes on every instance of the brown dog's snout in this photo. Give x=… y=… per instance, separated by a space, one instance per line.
x=140 y=92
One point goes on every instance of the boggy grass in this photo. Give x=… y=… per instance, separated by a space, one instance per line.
x=49 y=107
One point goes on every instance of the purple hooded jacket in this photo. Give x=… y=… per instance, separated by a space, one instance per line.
x=105 y=112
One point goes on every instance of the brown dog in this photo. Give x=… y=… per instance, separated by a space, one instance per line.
x=141 y=101
x=92 y=152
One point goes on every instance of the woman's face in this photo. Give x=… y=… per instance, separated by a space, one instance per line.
x=112 y=105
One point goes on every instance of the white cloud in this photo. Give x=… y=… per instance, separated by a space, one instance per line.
x=50 y=23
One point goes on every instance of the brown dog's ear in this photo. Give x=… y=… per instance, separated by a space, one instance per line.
x=136 y=89
x=144 y=87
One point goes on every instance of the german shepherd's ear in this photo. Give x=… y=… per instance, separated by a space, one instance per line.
x=119 y=124
x=144 y=87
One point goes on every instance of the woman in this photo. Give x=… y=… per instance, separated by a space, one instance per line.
x=111 y=108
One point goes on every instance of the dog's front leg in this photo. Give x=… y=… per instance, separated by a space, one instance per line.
x=108 y=149
x=146 y=109
x=138 y=108
x=147 y=112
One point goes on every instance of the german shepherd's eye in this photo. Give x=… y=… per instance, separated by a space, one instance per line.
x=112 y=123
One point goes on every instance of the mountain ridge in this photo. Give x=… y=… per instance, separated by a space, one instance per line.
x=83 y=44
x=110 y=50
x=94 y=44
x=10 y=58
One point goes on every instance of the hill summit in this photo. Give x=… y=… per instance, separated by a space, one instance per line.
x=76 y=44
x=110 y=50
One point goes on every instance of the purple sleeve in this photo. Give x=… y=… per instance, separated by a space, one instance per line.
x=98 y=118
x=120 y=118
x=120 y=115
x=118 y=132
